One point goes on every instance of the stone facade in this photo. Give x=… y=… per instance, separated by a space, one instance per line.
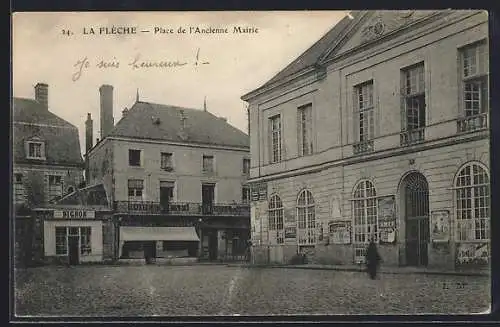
x=339 y=162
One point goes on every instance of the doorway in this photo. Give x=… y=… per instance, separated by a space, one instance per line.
x=207 y=198
x=212 y=245
x=416 y=209
x=166 y=195
x=74 y=249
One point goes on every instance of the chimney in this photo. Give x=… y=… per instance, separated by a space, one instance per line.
x=124 y=112
x=89 y=133
x=107 y=121
x=42 y=94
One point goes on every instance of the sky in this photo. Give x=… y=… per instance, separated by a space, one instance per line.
x=52 y=47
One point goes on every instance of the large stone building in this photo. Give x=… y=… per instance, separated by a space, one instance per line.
x=47 y=164
x=176 y=180
x=379 y=130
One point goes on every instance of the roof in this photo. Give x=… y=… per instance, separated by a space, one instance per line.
x=33 y=120
x=94 y=195
x=312 y=56
x=327 y=46
x=147 y=120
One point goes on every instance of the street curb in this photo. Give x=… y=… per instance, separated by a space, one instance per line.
x=448 y=273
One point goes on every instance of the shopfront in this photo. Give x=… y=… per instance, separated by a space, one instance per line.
x=77 y=235
x=222 y=240
x=138 y=242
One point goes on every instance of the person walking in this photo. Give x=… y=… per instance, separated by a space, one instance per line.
x=372 y=259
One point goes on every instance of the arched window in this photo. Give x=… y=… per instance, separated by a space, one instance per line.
x=306 y=218
x=276 y=218
x=473 y=203
x=365 y=217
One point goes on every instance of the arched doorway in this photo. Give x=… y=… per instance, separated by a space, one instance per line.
x=415 y=195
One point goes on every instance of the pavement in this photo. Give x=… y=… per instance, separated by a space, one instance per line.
x=382 y=269
x=222 y=290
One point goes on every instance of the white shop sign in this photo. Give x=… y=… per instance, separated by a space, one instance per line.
x=74 y=214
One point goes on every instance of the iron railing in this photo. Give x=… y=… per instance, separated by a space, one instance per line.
x=413 y=136
x=472 y=123
x=181 y=208
x=363 y=147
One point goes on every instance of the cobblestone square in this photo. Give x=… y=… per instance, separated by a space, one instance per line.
x=128 y=291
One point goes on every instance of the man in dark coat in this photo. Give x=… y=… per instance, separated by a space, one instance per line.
x=372 y=259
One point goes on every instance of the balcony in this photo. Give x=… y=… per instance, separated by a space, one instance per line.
x=362 y=147
x=413 y=136
x=472 y=123
x=181 y=208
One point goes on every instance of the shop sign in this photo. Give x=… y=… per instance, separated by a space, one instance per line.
x=74 y=214
x=340 y=232
x=473 y=253
x=440 y=226
x=386 y=219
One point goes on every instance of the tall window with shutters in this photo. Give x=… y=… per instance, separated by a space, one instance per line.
x=18 y=188
x=413 y=106
x=167 y=162
x=275 y=138
x=135 y=189
x=365 y=117
x=305 y=130
x=55 y=186
x=474 y=71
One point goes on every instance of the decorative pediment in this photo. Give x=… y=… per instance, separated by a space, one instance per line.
x=378 y=24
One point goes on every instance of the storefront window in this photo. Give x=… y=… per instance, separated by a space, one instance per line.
x=85 y=246
x=83 y=233
x=276 y=218
x=473 y=214
x=473 y=204
x=61 y=241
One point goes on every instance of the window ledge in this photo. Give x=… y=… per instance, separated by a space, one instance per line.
x=363 y=147
x=414 y=136
x=472 y=123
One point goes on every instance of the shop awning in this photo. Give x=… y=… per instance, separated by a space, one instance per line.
x=158 y=234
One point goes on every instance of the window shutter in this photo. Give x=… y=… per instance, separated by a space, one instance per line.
x=310 y=137
x=299 y=132
x=281 y=140
x=460 y=84
x=26 y=148
x=355 y=113
x=427 y=94
x=270 y=139
x=376 y=110
x=482 y=53
x=403 y=113
x=43 y=145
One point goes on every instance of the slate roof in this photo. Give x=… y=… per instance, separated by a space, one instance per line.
x=313 y=55
x=94 y=195
x=147 y=120
x=62 y=144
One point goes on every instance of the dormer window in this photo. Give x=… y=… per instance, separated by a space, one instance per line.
x=35 y=149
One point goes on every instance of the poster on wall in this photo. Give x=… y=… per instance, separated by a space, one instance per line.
x=473 y=253
x=340 y=232
x=440 y=226
x=387 y=219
